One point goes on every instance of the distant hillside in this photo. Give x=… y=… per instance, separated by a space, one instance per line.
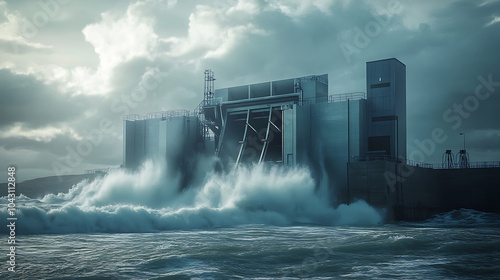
x=39 y=187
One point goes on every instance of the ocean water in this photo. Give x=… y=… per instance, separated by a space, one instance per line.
x=252 y=223
x=417 y=251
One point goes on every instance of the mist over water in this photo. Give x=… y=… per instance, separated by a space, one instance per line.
x=150 y=200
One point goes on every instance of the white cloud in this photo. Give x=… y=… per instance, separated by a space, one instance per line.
x=245 y=6
x=10 y=30
x=151 y=78
x=493 y=21
x=45 y=134
x=215 y=30
x=486 y=2
x=116 y=40
x=171 y=3
x=299 y=8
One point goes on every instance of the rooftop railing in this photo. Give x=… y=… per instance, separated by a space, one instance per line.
x=346 y=96
x=160 y=115
x=320 y=79
x=133 y=117
x=487 y=164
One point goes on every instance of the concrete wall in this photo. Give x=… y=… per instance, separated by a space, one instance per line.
x=416 y=193
x=128 y=143
x=139 y=142
x=297 y=135
x=313 y=91
x=152 y=138
x=289 y=134
x=181 y=137
x=157 y=138
x=431 y=191
x=303 y=135
x=332 y=125
x=367 y=182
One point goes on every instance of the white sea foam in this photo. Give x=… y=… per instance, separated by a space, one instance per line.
x=150 y=200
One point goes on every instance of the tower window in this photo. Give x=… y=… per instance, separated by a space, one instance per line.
x=380 y=85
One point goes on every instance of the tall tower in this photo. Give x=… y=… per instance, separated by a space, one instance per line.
x=386 y=108
x=208 y=95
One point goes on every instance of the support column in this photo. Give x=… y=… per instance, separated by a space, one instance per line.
x=244 y=141
x=266 y=140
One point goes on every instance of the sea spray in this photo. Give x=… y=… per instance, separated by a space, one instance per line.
x=151 y=200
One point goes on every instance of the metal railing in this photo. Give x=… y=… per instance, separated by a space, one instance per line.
x=212 y=102
x=160 y=115
x=488 y=164
x=375 y=157
x=419 y=164
x=133 y=117
x=346 y=96
x=170 y=114
x=316 y=78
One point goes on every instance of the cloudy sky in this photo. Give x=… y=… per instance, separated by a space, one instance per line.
x=70 y=69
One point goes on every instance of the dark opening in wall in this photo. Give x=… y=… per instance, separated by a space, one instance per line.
x=380 y=144
x=233 y=135
x=381 y=85
x=275 y=148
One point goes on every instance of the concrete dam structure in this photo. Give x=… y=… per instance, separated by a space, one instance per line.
x=356 y=142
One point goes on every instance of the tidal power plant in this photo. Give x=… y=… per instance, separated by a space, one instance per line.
x=358 y=140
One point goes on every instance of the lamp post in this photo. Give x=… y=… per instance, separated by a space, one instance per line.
x=461 y=133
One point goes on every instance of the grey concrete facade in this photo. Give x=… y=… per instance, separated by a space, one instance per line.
x=338 y=134
x=164 y=135
x=416 y=193
x=386 y=111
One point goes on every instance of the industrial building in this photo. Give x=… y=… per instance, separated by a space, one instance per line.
x=294 y=121
x=290 y=122
x=356 y=142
